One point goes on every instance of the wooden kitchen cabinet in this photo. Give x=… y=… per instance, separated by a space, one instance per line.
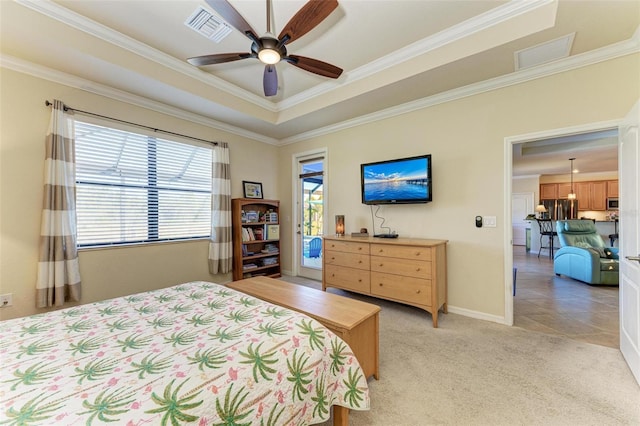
x=548 y=191
x=598 y=196
x=612 y=188
x=583 y=195
x=564 y=189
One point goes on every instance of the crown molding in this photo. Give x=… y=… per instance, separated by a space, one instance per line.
x=617 y=50
x=436 y=41
x=45 y=73
x=486 y=20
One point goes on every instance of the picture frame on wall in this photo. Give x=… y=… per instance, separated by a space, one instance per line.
x=252 y=189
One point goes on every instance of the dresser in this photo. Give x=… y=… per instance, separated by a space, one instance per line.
x=412 y=271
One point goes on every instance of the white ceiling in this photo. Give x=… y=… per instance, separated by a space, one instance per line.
x=397 y=55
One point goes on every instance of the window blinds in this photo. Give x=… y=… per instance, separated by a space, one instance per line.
x=133 y=188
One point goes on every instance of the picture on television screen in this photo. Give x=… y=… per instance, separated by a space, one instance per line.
x=401 y=181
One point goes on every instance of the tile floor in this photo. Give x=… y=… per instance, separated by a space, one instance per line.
x=559 y=305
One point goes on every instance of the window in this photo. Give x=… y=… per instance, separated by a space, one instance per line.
x=133 y=188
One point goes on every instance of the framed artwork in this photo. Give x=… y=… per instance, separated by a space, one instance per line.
x=252 y=189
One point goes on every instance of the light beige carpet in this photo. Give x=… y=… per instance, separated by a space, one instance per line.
x=474 y=372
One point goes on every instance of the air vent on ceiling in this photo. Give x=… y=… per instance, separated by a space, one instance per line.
x=545 y=52
x=210 y=26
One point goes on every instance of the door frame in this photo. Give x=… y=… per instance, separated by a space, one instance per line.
x=508 y=168
x=296 y=158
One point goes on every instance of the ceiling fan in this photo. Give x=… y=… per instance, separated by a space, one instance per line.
x=269 y=49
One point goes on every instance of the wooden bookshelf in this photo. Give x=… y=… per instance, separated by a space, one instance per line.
x=256 y=251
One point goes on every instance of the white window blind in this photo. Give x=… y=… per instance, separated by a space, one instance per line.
x=133 y=188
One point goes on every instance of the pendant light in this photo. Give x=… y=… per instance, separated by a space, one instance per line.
x=572 y=195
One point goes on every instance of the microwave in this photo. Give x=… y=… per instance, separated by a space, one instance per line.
x=612 y=203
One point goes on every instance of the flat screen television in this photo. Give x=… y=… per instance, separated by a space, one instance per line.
x=400 y=181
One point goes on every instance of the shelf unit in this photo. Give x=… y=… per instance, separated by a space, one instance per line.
x=250 y=218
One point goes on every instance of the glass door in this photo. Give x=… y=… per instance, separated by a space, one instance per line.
x=311 y=212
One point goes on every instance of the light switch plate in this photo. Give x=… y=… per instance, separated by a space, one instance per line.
x=489 y=221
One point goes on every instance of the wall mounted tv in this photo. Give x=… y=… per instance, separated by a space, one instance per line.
x=400 y=181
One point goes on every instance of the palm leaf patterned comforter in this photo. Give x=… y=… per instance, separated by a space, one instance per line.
x=194 y=353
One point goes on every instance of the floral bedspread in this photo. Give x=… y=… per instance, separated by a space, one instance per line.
x=194 y=353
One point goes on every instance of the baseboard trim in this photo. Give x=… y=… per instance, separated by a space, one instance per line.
x=477 y=315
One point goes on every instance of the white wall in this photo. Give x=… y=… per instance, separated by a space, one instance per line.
x=467 y=140
x=111 y=272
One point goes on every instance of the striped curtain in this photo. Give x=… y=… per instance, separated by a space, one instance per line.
x=58 y=272
x=220 y=244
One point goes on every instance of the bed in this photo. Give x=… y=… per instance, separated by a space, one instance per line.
x=196 y=353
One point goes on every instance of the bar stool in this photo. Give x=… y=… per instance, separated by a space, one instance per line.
x=614 y=237
x=546 y=230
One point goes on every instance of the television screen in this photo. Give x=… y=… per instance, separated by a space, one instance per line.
x=401 y=181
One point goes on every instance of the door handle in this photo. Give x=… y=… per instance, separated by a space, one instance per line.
x=636 y=258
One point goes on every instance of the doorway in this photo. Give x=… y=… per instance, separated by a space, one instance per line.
x=309 y=217
x=555 y=294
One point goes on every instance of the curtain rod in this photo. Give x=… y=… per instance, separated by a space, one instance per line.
x=67 y=108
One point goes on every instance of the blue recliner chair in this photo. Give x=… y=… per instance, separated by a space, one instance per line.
x=583 y=255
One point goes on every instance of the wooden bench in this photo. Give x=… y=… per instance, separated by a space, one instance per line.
x=353 y=321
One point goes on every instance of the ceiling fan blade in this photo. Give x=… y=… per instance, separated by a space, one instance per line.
x=306 y=19
x=270 y=80
x=231 y=15
x=315 y=66
x=220 y=58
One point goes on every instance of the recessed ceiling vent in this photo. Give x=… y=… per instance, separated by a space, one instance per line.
x=544 y=53
x=210 y=26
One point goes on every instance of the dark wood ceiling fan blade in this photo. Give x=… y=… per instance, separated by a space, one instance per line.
x=231 y=15
x=270 y=80
x=220 y=58
x=307 y=18
x=315 y=66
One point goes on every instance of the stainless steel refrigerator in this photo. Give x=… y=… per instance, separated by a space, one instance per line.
x=561 y=209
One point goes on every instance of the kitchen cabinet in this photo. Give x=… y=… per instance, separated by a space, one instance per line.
x=591 y=195
x=598 y=196
x=548 y=191
x=583 y=195
x=564 y=189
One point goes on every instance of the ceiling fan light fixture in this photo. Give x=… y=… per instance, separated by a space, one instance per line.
x=269 y=56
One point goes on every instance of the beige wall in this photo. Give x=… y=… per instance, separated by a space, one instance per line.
x=105 y=273
x=466 y=139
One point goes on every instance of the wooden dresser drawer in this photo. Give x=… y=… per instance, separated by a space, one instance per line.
x=351 y=260
x=347 y=278
x=396 y=287
x=401 y=252
x=347 y=247
x=408 y=267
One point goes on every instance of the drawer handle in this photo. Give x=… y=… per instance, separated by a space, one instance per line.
x=359 y=261
x=417 y=269
x=360 y=280
x=380 y=251
x=333 y=258
x=359 y=248
x=380 y=284
x=381 y=265
x=333 y=275
x=418 y=292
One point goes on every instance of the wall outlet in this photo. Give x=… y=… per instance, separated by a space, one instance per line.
x=6 y=300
